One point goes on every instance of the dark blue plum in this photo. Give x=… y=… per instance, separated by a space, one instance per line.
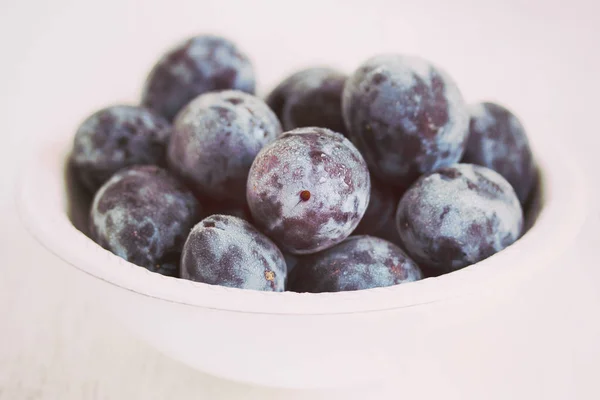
x=381 y=209
x=310 y=97
x=497 y=140
x=406 y=116
x=117 y=137
x=228 y=251
x=380 y=218
x=199 y=65
x=214 y=141
x=359 y=262
x=308 y=189
x=389 y=232
x=290 y=260
x=457 y=216
x=143 y=214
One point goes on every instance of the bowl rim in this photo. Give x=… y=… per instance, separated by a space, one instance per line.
x=41 y=206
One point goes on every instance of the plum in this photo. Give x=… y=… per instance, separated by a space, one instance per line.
x=406 y=116
x=308 y=189
x=381 y=209
x=228 y=251
x=457 y=216
x=357 y=263
x=116 y=137
x=497 y=140
x=214 y=141
x=310 y=97
x=201 y=64
x=143 y=215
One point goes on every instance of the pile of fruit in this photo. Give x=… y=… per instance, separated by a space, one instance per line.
x=332 y=183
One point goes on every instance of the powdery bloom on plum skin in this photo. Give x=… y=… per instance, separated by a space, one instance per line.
x=143 y=215
x=406 y=116
x=458 y=216
x=116 y=137
x=228 y=251
x=215 y=140
x=357 y=263
x=497 y=140
x=198 y=65
x=310 y=97
x=296 y=162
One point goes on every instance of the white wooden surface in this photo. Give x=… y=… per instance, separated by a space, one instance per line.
x=54 y=346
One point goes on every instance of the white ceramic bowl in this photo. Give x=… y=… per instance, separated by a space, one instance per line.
x=289 y=339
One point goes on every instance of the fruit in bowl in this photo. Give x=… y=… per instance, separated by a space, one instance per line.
x=359 y=262
x=248 y=198
x=214 y=140
x=457 y=216
x=144 y=215
x=228 y=251
x=308 y=188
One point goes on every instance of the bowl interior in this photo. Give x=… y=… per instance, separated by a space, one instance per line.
x=55 y=209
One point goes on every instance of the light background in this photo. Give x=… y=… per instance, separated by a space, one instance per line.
x=61 y=59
